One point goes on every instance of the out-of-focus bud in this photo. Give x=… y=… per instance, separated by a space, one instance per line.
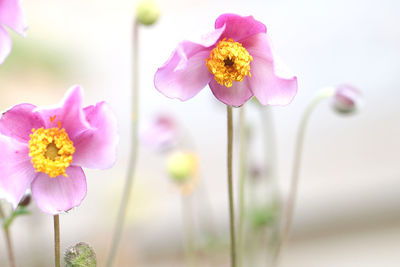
x=162 y=132
x=346 y=99
x=147 y=12
x=26 y=199
x=262 y=216
x=80 y=255
x=181 y=166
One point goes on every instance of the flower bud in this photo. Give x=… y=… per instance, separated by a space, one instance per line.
x=80 y=255
x=147 y=12
x=181 y=166
x=161 y=133
x=262 y=216
x=346 y=99
x=26 y=199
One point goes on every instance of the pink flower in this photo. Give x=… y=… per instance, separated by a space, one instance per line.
x=11 y=16
x=46 y=148
x=235 y=60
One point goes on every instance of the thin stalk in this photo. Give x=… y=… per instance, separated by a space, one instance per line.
x=230 y=186
x=11 y=258
x=188 y=225
x=57 y=240
x=133 y=150
x=288 y=215
x=242 y=176
x=270 y=168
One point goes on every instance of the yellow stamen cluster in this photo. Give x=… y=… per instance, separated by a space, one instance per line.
x=229 y=61
x=51 y=151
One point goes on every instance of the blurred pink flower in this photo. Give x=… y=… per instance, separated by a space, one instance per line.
x=346 y=99
x=162 y=132
x=235 y=60
x=45 y=148
x=11 y=16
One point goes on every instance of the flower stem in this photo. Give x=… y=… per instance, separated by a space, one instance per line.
x=230 y=186
x=57 y=240
x=133 y=152
x=288 y=216
x=10 y=250
x=270 y=169
x=242 y=176
x=189 y=230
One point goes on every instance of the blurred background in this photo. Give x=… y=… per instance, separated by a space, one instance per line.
x=348 y=211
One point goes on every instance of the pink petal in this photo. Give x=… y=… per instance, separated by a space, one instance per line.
x=185 y=73
x=19 y=121
x=59 y=194
x=16 y=171
x=69 y=113
x=96 y=147
x=270 y=82
x=239 y=28
x=235 y=96
x=5 y=44
x=11 y=15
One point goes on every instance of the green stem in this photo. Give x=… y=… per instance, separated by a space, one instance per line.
x=133 y=152
x=188 y=225
x=230 y=186
x=242 y=176
x=288 y=216
x=57 y=240
x=10 y=250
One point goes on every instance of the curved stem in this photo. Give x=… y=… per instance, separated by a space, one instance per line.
x=10 y=250
x=11 y=258
x=242 y=176
x=288 y=215
x=230 y=186
x=133 y=152
x=57 y=240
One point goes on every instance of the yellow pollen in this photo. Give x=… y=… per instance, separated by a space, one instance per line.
x=50 y=151
x=229 y=61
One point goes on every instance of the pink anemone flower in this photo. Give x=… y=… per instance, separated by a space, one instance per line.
x=11 y=15
x=46 y=148
x=235 y=60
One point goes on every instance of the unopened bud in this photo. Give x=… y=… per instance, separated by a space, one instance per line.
x=147 y=12
x=263 y=216
x=80 y=255
x=346 y=99
x=26 y=199
x=181 y=166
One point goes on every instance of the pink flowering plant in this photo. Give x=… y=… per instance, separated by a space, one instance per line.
x=45 y=148
x=235 y=60
x=11 y=16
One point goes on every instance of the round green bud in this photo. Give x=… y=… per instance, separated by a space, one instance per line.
x=147 y=12
x=181 y=166
x=80 y=255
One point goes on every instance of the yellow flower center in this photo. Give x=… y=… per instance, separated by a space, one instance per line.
x=51 y=150
x=229 y=61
